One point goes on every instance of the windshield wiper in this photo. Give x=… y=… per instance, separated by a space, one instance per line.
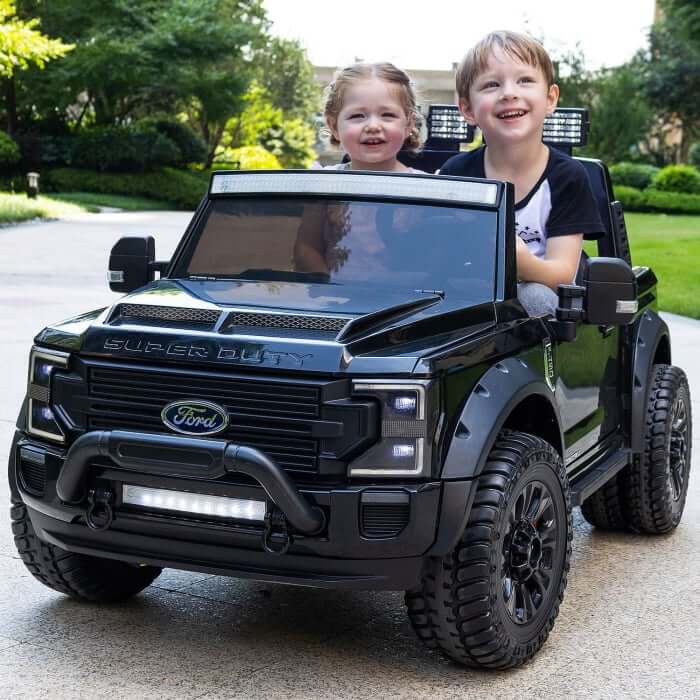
x=438 y=292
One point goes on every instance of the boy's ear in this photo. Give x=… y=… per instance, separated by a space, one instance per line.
x=552 y=98
x=466 y=111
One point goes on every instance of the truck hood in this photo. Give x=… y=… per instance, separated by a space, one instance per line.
x=291 y=326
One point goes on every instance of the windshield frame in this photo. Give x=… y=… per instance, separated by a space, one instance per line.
x=504 y=274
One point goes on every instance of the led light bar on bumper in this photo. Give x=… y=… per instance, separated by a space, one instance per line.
x=405 y=448
x=41 y=420
x=193 y=503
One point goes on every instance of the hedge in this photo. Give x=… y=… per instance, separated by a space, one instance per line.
x=638 y=175
x=652 y=200
x=9 y=151
x=181 y=189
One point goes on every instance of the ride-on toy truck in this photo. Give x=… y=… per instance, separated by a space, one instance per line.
x=333 y=384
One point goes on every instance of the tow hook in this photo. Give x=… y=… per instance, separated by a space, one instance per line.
x=99 y=514
x=276 y=524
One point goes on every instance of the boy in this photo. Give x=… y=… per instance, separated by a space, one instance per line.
x=506 y=87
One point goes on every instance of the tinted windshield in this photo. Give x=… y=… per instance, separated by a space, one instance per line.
x=378 y=244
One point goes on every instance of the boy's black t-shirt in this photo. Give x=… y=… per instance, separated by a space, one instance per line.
x=561 y=203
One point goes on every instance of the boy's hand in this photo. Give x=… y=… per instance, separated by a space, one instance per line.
x=559 y=265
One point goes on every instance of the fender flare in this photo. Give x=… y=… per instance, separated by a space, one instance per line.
x=496 y=394
x=650 y=332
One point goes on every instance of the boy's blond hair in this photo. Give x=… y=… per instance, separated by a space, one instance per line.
x=389 y=73
x=518 y=46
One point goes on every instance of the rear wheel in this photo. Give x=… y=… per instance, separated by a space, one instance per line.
x=77 y=575
x=654 y=487
x=492 y=601
x=603 y=509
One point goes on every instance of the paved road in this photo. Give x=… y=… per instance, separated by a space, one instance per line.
x=628 y=626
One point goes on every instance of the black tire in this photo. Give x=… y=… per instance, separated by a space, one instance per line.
x=603 y=509
x=462 y=606
x=77 y=575
x=654 y=487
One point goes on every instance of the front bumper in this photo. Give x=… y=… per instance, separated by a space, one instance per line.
x=335 y=541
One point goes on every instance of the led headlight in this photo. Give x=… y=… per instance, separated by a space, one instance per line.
x=41 y=420
x=404 y=448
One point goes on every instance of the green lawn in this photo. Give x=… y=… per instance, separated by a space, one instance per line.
x=18 y=207
x=670 y=245
x=92 y=201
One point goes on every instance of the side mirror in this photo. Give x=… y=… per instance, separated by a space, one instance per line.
x=132 y=263
x=611 y=292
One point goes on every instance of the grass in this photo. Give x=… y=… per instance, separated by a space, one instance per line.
x=92 y=201
x=15 y=208
x=670 y=245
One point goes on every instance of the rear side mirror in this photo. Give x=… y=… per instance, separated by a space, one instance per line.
x=611 y=292
x=132 y=263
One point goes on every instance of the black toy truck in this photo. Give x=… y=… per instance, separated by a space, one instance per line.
x=333 y=384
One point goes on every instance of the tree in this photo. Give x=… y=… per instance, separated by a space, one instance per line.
x=685 y=15
x=260 y=122
x=134 y=57
x=289 y=79
x=21 y=46
x=671 y=74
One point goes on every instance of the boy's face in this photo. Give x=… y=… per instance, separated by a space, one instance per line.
x=509 y=100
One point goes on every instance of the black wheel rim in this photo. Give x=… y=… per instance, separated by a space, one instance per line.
x=529 y=552
x=678 y=462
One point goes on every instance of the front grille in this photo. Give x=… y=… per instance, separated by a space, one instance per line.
x=273 y=416
x=136 y=312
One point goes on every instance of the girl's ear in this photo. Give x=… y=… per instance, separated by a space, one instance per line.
x=552 y=98
x=466 y=111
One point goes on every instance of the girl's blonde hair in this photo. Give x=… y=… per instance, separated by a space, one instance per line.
x=520 y=47
x=388 y=72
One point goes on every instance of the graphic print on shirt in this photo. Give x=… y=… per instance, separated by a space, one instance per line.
x=531 y=219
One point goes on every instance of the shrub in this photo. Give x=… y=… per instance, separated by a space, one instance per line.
x=9 y=151
x=121 y=149
x=678 y=178
x=637 y=175
x=191 y=146
x=694 y=154
x=181 y=189
x=632 y=198
x=251 y=158
x=652 y=200
x=672 y=202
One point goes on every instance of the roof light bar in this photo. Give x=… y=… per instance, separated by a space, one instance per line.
x=446 y=123
x=567 y=126
x=345 y=184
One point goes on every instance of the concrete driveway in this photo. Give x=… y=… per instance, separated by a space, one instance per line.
x=628 y=626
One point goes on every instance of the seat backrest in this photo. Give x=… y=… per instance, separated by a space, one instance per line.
x=614 y=243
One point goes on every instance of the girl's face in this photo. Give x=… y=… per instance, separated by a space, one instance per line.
x=372 y=125
x=509 y=100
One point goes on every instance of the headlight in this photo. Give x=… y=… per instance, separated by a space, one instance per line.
x=41 y=420
x=404 y=449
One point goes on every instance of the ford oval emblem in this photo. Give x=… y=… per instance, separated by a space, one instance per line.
x=195 y=417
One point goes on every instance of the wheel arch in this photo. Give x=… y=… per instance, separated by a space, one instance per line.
x=652 y=345
x=511 y=394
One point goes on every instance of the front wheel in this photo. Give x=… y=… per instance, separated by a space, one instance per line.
x=82 y=577
x=492 y=601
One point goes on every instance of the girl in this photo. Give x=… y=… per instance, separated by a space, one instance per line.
x=372 y=113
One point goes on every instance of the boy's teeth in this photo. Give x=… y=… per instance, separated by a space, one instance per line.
x=506 y=115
